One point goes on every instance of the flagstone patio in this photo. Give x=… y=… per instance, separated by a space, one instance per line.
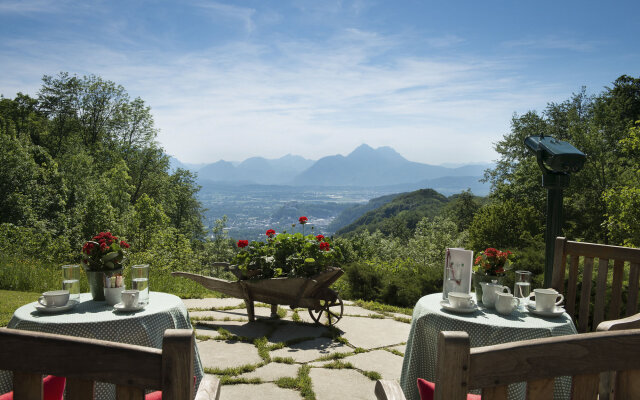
x=298 y=359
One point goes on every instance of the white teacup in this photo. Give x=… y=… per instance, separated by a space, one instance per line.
x=546 y=299
x=113 y=295
x=54 y=298
x=130 y=298
x=460 y=300
x=506 y=303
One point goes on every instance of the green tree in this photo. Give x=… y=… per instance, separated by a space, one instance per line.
x=463 y=208
x=183 y=207
x=148 y=221
x=504 y=225
x=623 y=200
x=595 y=125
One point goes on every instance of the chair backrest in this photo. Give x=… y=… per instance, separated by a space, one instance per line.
x=84 y=361
x=625 y=260
x=607 y=386
x=537 y=362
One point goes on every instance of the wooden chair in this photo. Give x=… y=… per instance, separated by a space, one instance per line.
x=607 y=388
x=536 y=362
x=83 y=361
x=624 y=259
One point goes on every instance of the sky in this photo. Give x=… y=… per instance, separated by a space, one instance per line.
x=438 y=81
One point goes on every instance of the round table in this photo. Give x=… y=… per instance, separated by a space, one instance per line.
x=97 y=320
x=485 y=327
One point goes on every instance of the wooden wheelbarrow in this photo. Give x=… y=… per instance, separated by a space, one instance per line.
x=324 y=304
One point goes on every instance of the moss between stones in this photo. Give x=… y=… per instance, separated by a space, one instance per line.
x=301 y=382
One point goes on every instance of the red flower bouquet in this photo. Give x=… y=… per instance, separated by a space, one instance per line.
x=105 y=252
x=286 y=255
x=492 y=262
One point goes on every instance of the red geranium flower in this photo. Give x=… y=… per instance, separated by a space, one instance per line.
x=324 y=246
x=243 y=243
x=303 y=220
x=270 y=233
x=319 y=238
x=124 y=244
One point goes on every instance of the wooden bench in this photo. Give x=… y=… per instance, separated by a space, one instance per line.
x=623 y=258
x=84 y=361
x=537 y=362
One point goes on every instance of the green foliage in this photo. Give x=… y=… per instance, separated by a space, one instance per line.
x=351 y=214
x=82 y=158
x=462 y=208
x=398 y=271
x=287 y=255
x=400 y=216
x=598 y=126
x=623 y=200
x=504 y=224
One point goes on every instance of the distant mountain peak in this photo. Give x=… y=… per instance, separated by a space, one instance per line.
x=362 y=149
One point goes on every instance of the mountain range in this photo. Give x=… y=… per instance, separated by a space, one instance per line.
x=363 y=167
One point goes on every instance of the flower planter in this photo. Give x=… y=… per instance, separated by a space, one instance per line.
x=313 y=293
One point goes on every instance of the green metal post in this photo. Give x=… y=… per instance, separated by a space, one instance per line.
x=555 y=183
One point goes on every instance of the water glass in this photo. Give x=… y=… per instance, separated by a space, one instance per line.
x=140 y=282
x=522 y=287
x=71 y=280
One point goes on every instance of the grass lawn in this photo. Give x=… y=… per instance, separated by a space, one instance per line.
x=11 y=300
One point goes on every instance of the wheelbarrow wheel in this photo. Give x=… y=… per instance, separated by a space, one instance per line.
x=329 y=309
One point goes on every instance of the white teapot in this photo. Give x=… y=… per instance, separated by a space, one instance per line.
x=490 y=292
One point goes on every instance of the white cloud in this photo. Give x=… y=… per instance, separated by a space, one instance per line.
x=312 y=98
x=553 y=43
x=244 y=14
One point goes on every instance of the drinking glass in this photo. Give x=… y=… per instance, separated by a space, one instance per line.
x=71 y=280
x=522 y=287
x=140 y=282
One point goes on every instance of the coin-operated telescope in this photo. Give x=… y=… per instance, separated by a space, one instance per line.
x=556 y=159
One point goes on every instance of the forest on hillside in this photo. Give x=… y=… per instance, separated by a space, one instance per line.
x=81 y=156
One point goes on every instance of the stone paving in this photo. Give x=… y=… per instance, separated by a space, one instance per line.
x=277 y=358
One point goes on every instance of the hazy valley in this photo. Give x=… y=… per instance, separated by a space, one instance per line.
x=260 y=193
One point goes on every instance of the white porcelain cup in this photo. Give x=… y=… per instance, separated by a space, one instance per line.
x=113 y=295
x=546 y=299
x=130 y=298
x=54 y=298
x=460 y=300
x=490 y=291
x=506 y=303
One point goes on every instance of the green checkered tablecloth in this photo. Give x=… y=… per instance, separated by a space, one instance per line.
x=97 y=320
x=485 y=327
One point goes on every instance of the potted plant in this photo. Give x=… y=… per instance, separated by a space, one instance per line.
x=490 y=265
x=102 y=256
x=285 y=255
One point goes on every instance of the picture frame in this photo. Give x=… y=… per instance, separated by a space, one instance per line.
x=457 y=271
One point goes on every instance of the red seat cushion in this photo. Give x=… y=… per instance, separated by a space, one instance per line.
x=157 y=395
x=427 y=390
x=52 y=386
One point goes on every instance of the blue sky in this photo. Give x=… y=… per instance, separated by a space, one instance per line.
x=437 y=81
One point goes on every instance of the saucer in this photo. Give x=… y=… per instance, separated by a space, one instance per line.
x=56 y=309
x=445 y=304
x=121 y=307
x=556 y=312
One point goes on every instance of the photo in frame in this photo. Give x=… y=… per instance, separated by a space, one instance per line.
x=457 y=271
